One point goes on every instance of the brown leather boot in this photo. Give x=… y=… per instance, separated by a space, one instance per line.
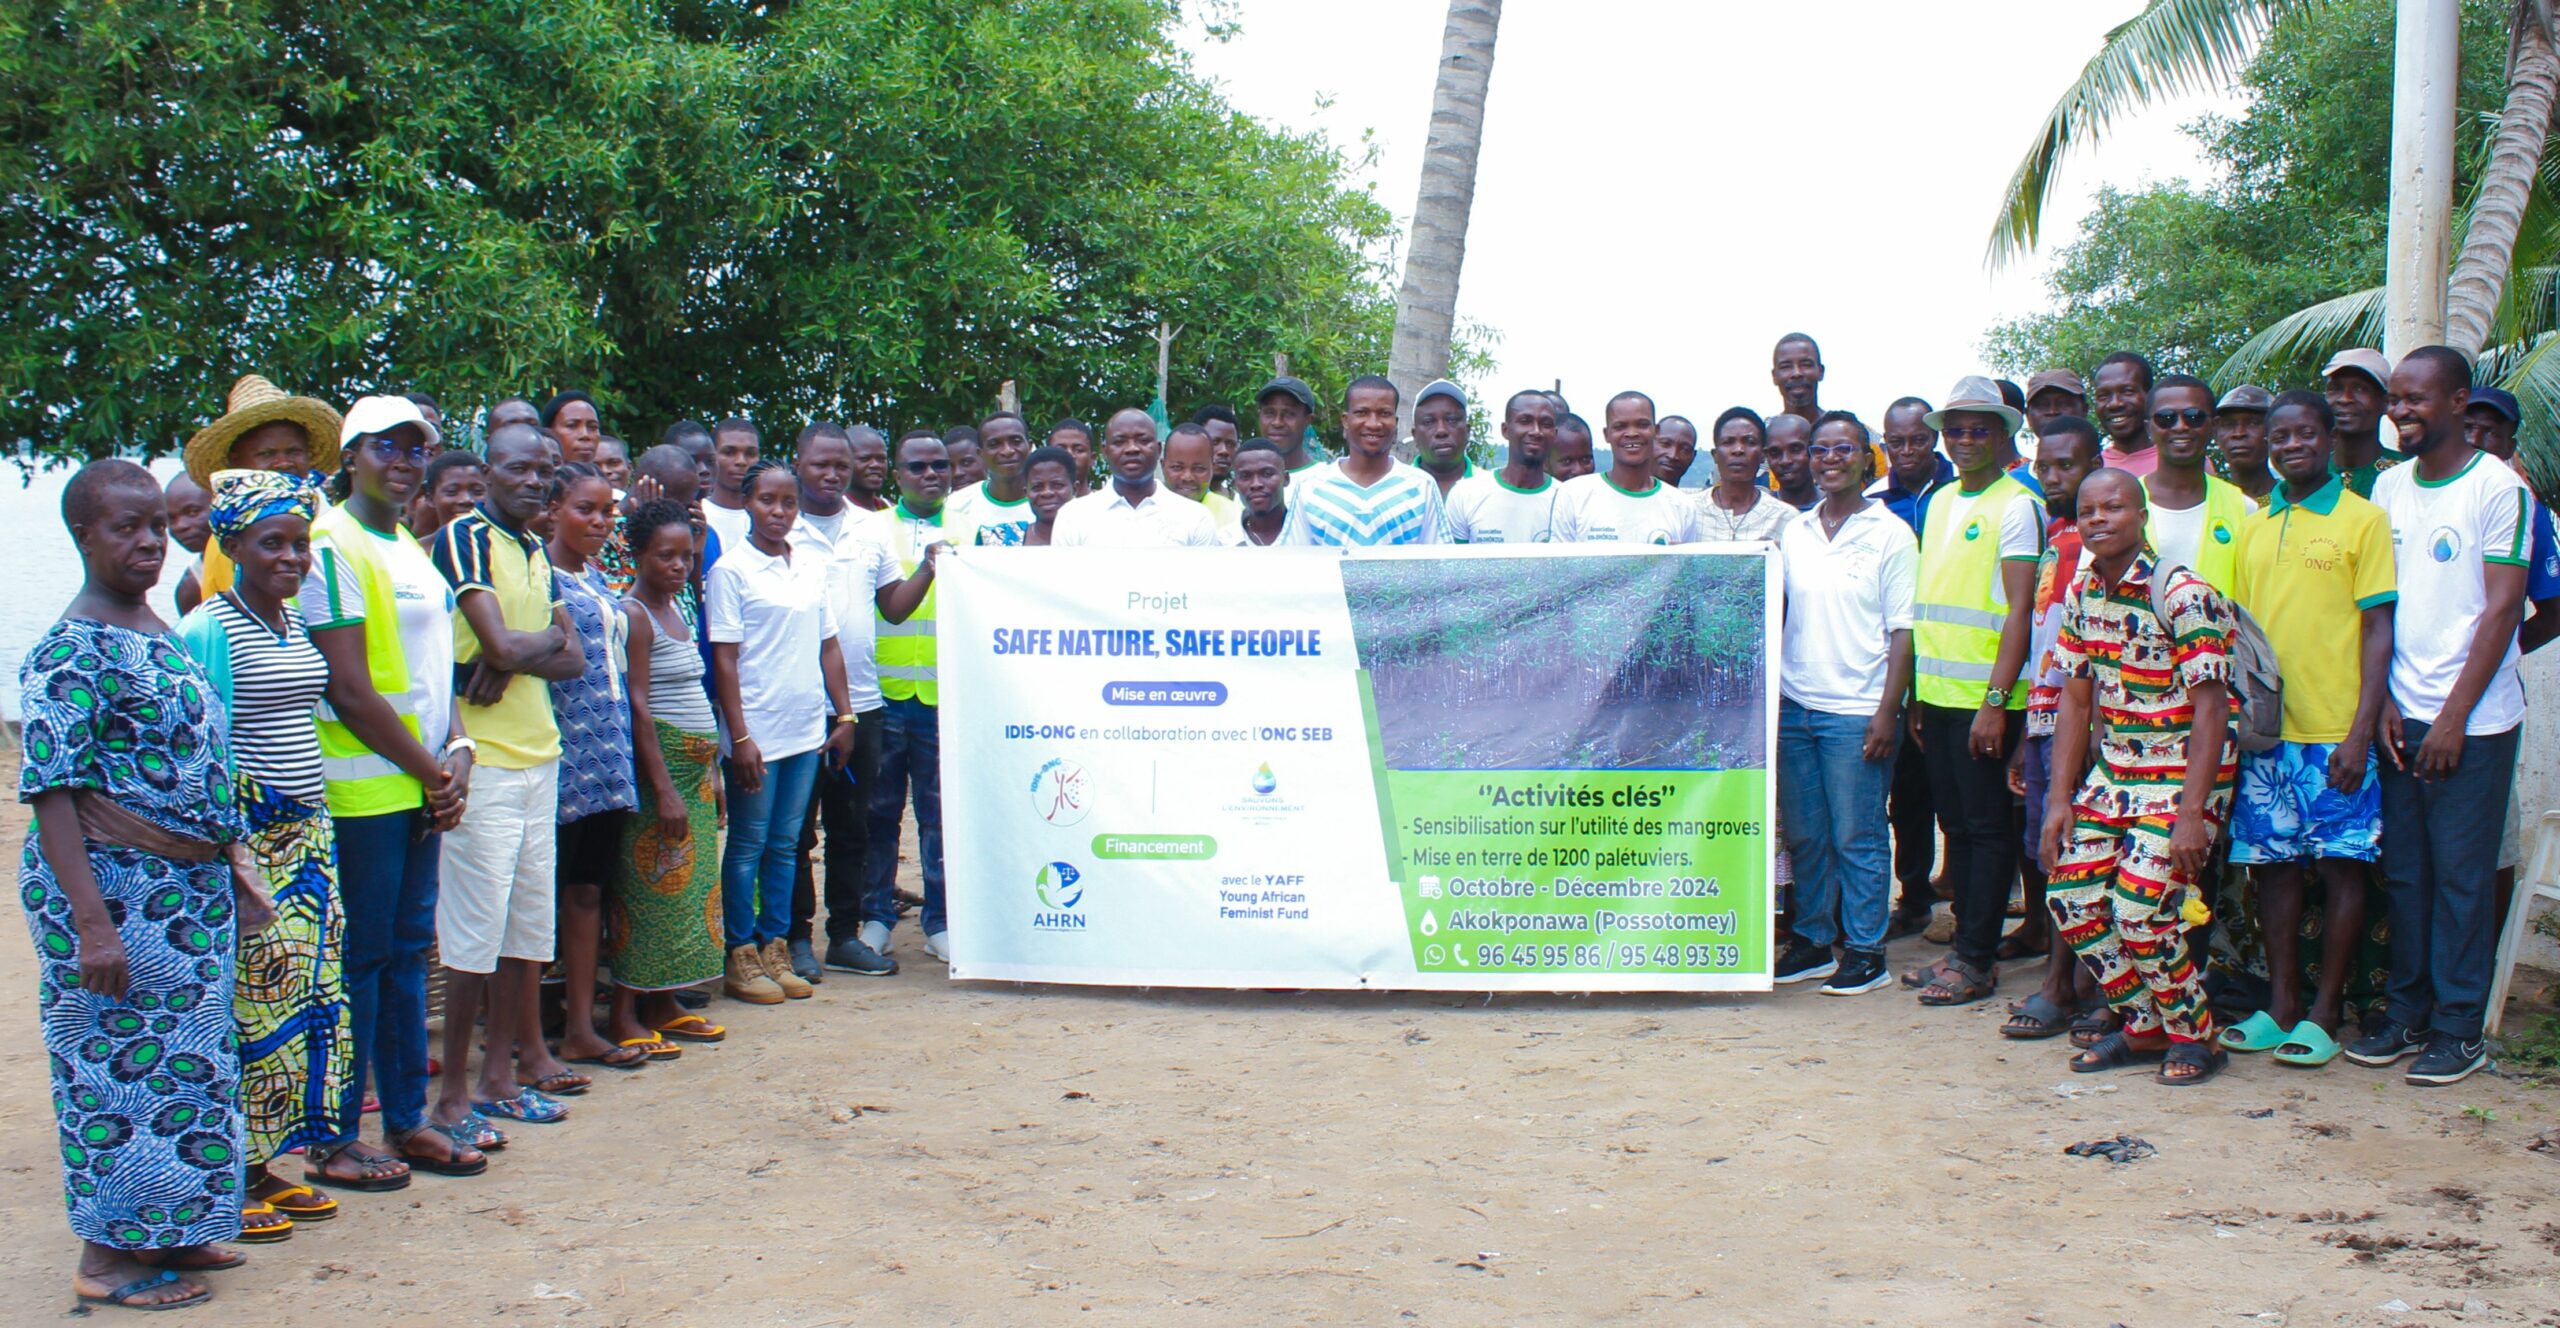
x=777 y=965
x=747 y=980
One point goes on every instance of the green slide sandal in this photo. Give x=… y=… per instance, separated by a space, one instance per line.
x=2308 y=1046
x=2258 y=1032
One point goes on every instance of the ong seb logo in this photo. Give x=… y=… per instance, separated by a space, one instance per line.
x=1060 y=888
x=1061 y=793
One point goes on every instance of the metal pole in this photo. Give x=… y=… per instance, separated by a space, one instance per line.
x=2426 y=73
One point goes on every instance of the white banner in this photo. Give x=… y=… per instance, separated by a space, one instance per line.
x=1541 y=768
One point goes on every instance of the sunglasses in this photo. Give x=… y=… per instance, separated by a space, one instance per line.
x=391 y=449
x=1969 y=433
x=2193 y=415
x=926 y=467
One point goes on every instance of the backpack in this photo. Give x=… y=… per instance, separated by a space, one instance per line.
x=2257 y=694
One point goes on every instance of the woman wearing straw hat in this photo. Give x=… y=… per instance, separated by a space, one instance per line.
x=261 y=429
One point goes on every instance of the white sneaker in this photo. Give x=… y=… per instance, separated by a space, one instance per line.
x=875 y=935
x=939 y=946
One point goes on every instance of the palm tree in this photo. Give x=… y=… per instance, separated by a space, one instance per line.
x=1427 y=306
x=2499 y=299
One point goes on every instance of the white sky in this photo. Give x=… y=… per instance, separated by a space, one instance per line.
x=1667 y=187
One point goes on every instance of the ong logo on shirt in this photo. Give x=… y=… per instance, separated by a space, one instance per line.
x=2445 y=544
x=1973 y=528
x=2222 y=532
x=1060 y=792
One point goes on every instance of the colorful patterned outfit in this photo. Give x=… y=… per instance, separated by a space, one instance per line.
x=143 y=1087
x=663 y=915
x=2115 y=892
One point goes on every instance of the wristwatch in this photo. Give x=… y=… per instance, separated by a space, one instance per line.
x=1996 y=696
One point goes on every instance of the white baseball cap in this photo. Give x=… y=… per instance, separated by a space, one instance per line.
x=2363 y=360
x=378 y=415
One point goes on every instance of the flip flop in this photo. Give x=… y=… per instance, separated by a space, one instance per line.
x=612 y=1060
x=2036 y=1018
x=562 y=1084
x=2207 y=1059
x=693 y=1028
x=269 y=1226
x=528 y=1106
x=2308 y=1047
x=305 y=1204
x=2258 y=1032
x=2114 y=1052
x=122 y=1297
x=659 y=1049
x=484 y=1136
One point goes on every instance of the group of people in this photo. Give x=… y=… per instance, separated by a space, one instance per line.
x=552 y=711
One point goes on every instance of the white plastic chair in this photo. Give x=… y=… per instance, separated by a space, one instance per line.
x=2540 y=880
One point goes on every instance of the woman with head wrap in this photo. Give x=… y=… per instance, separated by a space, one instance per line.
x=289 y=1001
x=133 y=909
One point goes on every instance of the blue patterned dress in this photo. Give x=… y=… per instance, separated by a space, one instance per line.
x=593 y=711
x=145 y=1089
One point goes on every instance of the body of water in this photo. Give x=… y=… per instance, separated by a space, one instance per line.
x=43 y=570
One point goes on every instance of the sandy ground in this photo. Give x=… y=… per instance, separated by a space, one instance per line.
x=912 y=1150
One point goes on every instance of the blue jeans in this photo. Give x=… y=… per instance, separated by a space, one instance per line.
x=761 y=862
x=1832 y=800
x=2440 y=846
x=387 y=888
x=910 y=758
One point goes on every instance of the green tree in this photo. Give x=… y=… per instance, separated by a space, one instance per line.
x=868 y=209
x=2298 y=213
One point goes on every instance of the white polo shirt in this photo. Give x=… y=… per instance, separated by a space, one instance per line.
x=853 y=547
x=1845 y=595
x=1103 y=519
x=775 y=611
x=1591 y=510
x=1483 y=508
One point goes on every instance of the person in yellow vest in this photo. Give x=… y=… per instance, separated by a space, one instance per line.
x=911 y=746
x=397 y=767
x=2195 y=515
x=1979 y=545
x=261 y=428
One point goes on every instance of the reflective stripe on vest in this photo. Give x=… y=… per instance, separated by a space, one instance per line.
x=1957 y=613
x=361 y=782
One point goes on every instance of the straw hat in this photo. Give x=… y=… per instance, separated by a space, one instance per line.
x=255 y=401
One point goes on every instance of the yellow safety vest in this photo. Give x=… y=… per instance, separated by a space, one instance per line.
x=1958 y=610
x=2218 y=553
x=360 y=781
x=907 y=650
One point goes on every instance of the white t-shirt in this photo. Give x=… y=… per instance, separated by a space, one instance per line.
x=1483 y=509
x=852 y=545
x=331 y=597
x=775 y=611
x=730 y=524
x=1103 y=519
x=974 y=516
x=1845 y=594
x=1591 y=510
x=2442 y=535
x=2178 y=533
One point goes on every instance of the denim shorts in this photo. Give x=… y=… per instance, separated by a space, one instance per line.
x=2286 y=811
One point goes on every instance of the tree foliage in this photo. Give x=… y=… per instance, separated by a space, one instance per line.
x=865 y=209
x=2187 y=272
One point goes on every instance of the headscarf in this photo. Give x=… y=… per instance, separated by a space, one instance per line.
x=243 y=498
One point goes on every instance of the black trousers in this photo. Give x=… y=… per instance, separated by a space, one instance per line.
x=838 y=807
x=1975 y=809
x=1915 y=829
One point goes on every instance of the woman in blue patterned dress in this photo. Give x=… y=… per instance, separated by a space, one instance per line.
x=597 y=790
x=134 y=883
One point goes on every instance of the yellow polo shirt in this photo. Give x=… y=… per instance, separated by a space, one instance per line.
x=2308 y=571
x=476 y=553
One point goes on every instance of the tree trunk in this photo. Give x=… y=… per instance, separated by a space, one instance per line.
x=2506 y=182
x=1427 y=307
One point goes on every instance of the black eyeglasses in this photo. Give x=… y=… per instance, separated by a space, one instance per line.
x=1970 y=433
x=927 y=467
x=2193 y=415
